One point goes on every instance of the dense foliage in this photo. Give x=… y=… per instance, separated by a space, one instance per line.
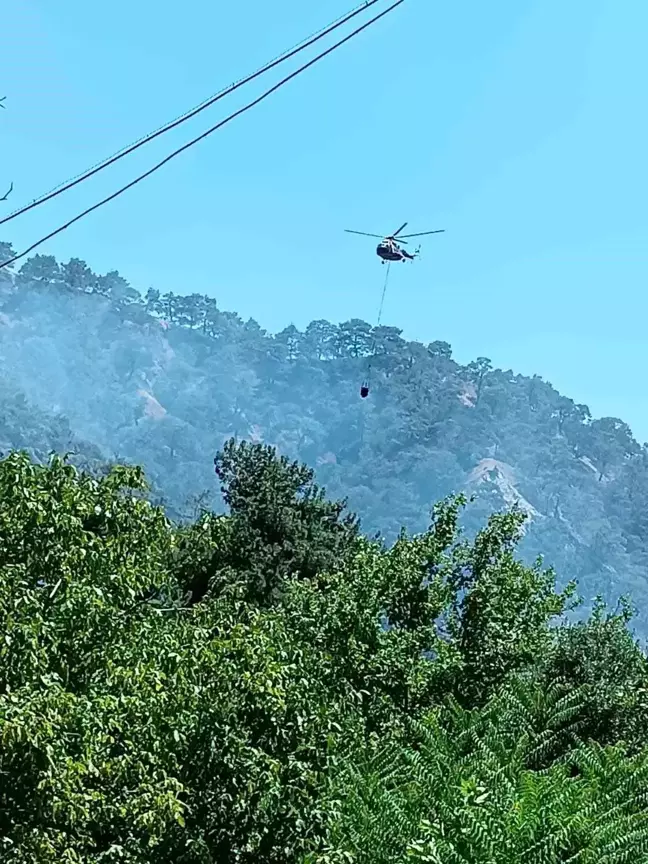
x=270 y=685
x=162 y=381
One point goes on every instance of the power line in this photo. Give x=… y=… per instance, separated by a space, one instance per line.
x=301 y=46
x=204 y=134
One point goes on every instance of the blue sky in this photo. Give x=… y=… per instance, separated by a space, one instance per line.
x=519 y=126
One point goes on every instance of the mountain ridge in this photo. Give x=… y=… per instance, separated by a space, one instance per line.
x=164 y=380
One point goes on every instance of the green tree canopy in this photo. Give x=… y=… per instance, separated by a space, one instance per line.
x=360 y=702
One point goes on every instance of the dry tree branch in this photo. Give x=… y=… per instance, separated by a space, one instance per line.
x=10 y=189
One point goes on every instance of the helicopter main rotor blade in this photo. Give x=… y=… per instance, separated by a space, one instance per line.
x=423 y=233
x=399 y=230
x=364 y=233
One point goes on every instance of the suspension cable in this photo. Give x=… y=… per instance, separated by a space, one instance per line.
x=186 y=146
x=99 y=166
x=372 y=354
x=382 y=299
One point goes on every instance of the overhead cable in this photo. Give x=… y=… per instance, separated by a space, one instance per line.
x=191 y=143
x=207 y=103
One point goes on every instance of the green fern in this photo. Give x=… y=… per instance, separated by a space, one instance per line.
x=508 y=784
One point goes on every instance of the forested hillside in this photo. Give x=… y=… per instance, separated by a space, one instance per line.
x=90 y=365
x=265 y=681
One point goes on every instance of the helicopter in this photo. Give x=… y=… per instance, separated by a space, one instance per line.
x=389 y=249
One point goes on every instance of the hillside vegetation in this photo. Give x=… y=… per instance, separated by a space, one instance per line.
x=268 y=685
x=90 y=365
